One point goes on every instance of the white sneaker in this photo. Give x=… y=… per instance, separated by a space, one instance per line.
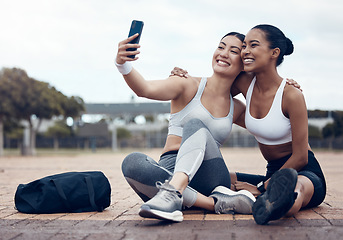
x=228 y=201
x=165 y=205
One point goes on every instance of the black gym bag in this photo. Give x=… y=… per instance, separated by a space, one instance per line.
x=65 y=192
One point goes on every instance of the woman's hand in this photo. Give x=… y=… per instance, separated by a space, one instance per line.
x=179 y=72
x=293 y=83
x=122 y=55
x=246 y=186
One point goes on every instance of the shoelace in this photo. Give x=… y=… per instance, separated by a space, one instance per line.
x=170 y=190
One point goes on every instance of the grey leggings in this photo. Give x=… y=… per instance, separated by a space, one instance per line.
x=199 y=157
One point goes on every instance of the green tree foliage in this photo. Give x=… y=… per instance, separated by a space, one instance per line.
x=73 y=106
x=149 y=118
x=328 y=130
x=11 y=125
x=24 y=98
x=8 y=91
x=314 y=132
x=317 y=114
x=334 y=129
x=123 y=133
x=60 y=129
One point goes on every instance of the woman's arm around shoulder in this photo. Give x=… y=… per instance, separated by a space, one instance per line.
x=239 y=113
x=242 y=83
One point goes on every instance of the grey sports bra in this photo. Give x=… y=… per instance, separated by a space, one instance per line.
x=220 y=128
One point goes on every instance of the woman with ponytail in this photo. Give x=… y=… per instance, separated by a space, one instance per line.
x=276 y=115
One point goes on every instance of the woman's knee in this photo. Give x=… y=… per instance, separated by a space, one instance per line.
x=304 y=190
x=131 y=163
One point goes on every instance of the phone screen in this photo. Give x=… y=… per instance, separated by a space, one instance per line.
x=136 y=27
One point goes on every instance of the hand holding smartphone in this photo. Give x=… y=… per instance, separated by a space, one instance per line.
x=136 y=27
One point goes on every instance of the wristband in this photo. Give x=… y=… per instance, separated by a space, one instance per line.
x=124 y=68
x=260 y=187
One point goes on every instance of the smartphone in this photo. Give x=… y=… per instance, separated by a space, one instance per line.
x=136 y=27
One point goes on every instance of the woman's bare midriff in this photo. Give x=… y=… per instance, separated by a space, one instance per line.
x=269 y=152
x=172 y=143
x=275 y=152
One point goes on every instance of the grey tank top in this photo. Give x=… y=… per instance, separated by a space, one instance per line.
x=220 y=128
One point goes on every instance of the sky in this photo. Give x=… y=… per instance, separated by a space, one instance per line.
x=71 y=44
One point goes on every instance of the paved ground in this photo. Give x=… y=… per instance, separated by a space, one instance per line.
x=120 y=220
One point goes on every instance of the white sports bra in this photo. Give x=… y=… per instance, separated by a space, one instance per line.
x=220 y=128
x=274 y=128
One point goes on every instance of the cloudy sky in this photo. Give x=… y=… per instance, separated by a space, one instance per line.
x=72 y=43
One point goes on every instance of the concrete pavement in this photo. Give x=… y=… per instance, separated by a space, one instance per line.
x=121 y=221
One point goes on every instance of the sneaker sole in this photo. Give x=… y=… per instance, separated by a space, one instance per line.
x=278 y=199
x=147 y=212
x=227 y=191
x=241 y=201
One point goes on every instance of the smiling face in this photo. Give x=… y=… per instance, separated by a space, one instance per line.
x=227 y=57
x=256 y=53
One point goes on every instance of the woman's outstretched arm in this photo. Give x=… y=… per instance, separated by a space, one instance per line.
x=167 y=89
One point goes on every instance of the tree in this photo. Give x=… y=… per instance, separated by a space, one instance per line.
x=13 y=130
x=317 y=114
x=123 y=133
x=328 y=130
x=314 y=132
x=8 y=90
x=338 y=123
x=31 y=99
x=73 y=106
x=334 y=129
x=60 y=129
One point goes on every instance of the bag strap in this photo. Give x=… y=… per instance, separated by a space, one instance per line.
x=92 y=194
x=62 y=195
